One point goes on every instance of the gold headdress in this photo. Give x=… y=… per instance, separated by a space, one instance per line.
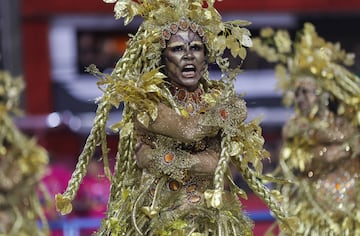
x=163 y=18
x=311 y=55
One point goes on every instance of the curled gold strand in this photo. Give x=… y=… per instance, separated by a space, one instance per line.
x=105 y=157
x=261 y=191
x=133 y=213
x=11 y=131
x=308 y=195
x=118 y=174
x=18 y=222
x=38 y=209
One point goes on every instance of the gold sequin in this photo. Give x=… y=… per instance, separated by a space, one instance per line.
x=187 y=177
x=194 y=198
x=190 y=107
x=183 y=24
x=191 y=188
x=166 y=34
x=173 y=28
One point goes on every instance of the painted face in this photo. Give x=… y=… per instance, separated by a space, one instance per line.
x=305 y=96
x=184 y=59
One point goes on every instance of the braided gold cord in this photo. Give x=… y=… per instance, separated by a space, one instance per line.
x=222 y=166
x=92 y=141
x=124 y=173
x=124 y=158
x=124 y=168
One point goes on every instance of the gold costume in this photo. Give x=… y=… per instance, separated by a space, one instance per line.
x=22 y=165
x=177 y=182
x=320 y=153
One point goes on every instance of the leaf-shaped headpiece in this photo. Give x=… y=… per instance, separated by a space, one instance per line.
x=164 y=17
x=310 y=55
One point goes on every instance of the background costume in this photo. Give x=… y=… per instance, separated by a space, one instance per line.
x=320 y=152
x=163 y=199
x=22 y=164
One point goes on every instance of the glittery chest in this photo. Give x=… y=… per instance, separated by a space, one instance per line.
x=338 y=189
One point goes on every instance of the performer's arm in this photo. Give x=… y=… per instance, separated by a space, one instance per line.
x=184 y=129
x=207 y=159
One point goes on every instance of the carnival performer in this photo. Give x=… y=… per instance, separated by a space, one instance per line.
x=180 y=131
x=320 y=152
x=22 y=165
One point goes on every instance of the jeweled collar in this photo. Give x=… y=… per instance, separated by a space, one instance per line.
x=191 y=101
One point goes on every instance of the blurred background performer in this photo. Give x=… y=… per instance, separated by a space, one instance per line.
x=22 y=165
x=320 y=151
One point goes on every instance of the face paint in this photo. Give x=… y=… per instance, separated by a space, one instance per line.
x=184 y=59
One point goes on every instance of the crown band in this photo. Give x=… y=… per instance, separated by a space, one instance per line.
x=183 y=25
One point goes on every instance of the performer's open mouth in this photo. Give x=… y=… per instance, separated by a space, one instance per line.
x=188 y=71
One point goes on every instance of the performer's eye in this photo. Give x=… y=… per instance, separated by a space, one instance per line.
x=177 y=48
x=196 y=47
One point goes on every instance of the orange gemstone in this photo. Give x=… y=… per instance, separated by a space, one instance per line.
x=181 y=95
x=174 y=185
x=223 y=113
x=169 y=157
x=338 y=186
